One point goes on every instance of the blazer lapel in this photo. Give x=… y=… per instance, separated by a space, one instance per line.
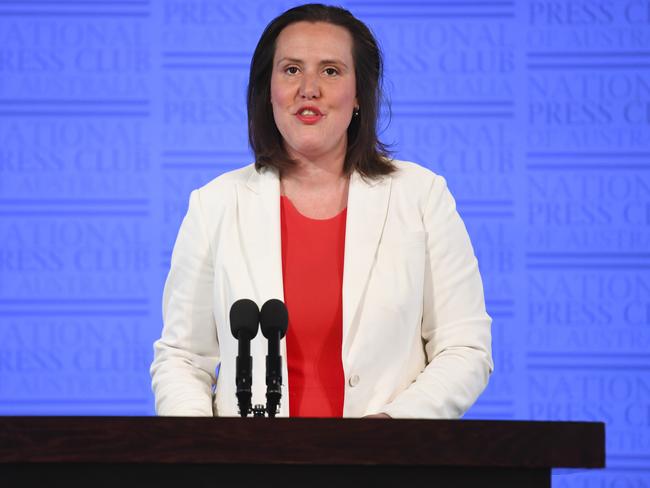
x=366 y=215
x=259 y=228
x=258 y=214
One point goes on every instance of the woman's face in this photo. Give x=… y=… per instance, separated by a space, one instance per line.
x=313 y=88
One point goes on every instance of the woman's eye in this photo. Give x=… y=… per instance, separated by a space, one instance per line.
x=292 y=70
x=331 y=71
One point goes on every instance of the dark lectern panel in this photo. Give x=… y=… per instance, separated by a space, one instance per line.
x=265 y=476
x=508 y=444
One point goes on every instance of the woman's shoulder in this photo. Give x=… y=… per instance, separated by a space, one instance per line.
x=416 y=185
x=228 y=180
x=219 y=194
x=222 y=188
x=411 y=176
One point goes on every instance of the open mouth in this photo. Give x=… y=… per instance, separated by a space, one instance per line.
x=309 y=115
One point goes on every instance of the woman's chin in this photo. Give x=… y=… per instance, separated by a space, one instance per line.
x=314 y=150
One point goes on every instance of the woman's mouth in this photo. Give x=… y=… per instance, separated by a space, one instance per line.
x=309 y=115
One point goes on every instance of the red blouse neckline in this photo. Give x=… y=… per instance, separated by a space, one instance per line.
x=290 y=205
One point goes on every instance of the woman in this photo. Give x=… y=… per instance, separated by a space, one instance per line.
x=385 y=300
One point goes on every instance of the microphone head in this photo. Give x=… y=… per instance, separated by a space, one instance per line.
x=274 y=317
x=244 y=317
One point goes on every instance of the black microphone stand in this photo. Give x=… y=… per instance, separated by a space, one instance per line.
x=274 y=319
x=244 y=323
x=244 y=378
x=273 y=375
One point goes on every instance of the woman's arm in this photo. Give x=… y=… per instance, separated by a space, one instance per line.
x=187 y=354
x=455 y=325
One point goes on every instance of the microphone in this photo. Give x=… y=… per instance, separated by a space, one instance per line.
x=274 y=320
x=244 y=322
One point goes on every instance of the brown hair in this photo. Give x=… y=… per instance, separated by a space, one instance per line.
x=365 y=152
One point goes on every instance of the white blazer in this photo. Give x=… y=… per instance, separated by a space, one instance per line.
x=416 y=336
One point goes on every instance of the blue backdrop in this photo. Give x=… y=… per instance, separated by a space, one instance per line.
x=537 y=113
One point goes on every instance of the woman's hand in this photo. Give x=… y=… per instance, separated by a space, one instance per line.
x=377 y=416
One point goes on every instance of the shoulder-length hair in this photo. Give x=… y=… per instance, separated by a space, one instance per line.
x=365 y=152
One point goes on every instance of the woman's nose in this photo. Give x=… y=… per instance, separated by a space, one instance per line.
x=309 y=86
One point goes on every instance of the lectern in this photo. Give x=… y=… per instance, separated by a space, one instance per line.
x=256 y=452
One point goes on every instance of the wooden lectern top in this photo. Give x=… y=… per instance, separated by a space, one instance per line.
x=472 y=443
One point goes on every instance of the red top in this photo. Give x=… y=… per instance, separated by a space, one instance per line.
x=312 y=270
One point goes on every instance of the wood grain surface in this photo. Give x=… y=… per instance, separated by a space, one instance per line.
x=302 y=441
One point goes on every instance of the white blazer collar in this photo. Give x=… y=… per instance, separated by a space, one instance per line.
x=366 y=216
x=258 y=208
x=259 y=224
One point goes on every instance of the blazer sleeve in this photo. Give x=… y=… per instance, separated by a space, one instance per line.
x=187 y=353
x=455 y=325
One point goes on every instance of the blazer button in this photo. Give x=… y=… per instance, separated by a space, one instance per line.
x=354 y=380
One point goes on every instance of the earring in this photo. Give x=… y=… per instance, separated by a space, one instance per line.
x=355 y=113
